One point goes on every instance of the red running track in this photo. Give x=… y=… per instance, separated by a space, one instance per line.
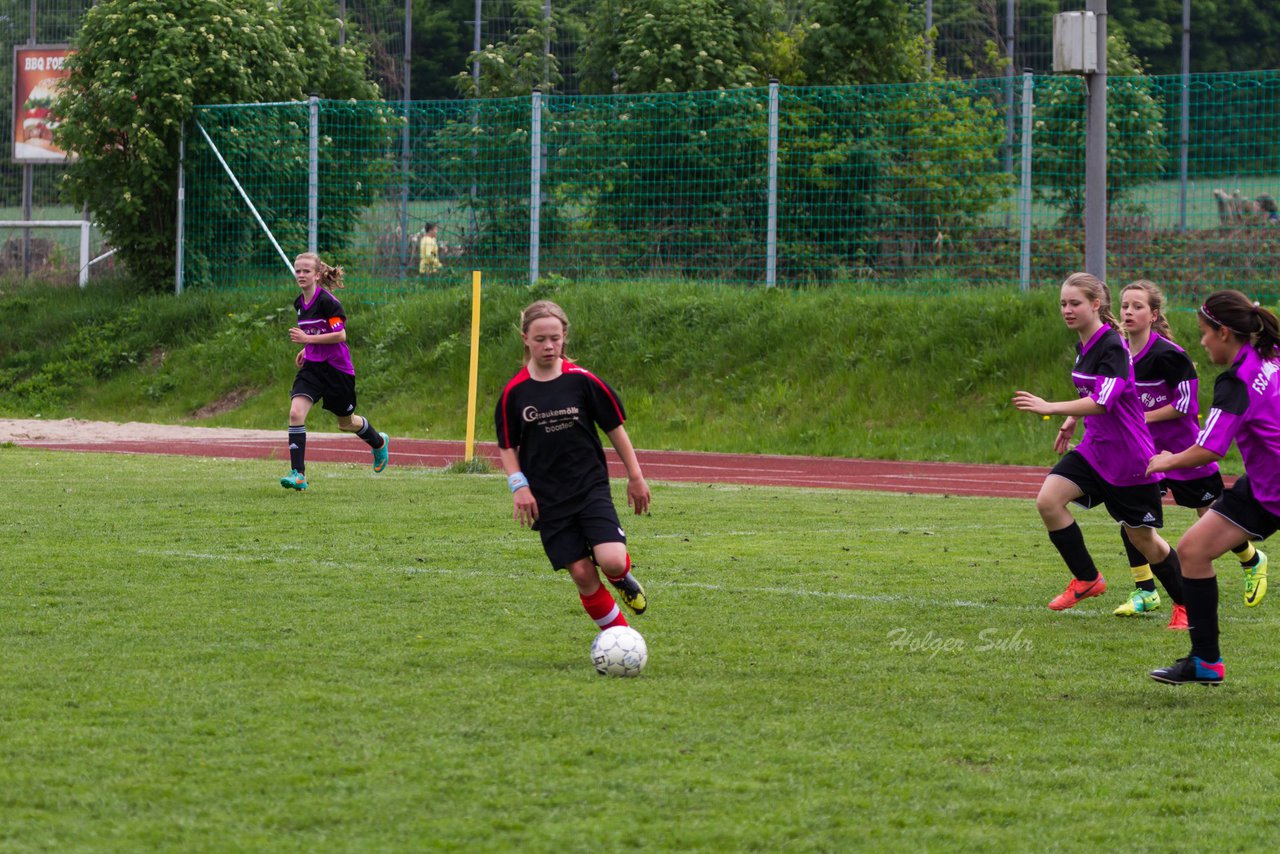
x=690 y=466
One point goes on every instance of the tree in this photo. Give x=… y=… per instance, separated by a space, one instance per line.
x=442 y=39
x=678 y=45
x=141 y=67
x=518 y=65
x=1136 y=153
x=859 y=42
x=1226 y=35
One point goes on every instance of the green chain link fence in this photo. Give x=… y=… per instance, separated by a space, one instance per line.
x=922 y=188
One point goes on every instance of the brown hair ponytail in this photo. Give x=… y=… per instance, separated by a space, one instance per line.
x=1245 y=319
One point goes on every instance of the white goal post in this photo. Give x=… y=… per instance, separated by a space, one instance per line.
x=85 y=227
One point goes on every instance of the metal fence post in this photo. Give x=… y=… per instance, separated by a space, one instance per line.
x=313 y=176
x=1024 y=192
x=182 y=209
x=535 y=185
x=1184 y=123
x=1095 y=153
x=85 y=226
x=771 y=239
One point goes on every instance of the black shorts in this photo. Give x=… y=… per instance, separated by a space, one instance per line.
x=1135 y=506
x=322 y=381
x=1238 y=506
x=1195 y=493
x=566 y=539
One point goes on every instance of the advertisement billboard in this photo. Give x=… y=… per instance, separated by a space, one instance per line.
x=37 y=73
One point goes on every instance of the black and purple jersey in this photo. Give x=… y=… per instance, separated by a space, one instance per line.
x=1116 y=442
x=1165 y=375
x=1246 y=409
x=324 y=314
x=552 y=424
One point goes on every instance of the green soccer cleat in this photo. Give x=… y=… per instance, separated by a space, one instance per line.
x=380 y=454
x=294 y=480
x=1255 y=581
x=632 y=593
x=1139 y=602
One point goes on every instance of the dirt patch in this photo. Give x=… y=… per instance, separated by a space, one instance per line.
x=229 y=401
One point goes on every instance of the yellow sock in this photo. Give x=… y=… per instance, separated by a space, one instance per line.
x=1248 y=553
x=1141 y=573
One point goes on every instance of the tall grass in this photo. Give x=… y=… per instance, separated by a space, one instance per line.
x=825 y=372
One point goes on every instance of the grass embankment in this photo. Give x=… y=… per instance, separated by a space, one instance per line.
x=824 y=372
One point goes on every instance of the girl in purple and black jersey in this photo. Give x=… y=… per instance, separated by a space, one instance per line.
x=1107 y=467
x=547 y=419
x=1246 y=410
x=1168 y=388
x=324 y=365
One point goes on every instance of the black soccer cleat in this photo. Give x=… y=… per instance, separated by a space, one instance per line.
x=1189 y=670
x=632 y=593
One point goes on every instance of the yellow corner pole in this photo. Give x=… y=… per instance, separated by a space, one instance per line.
x=475 y=365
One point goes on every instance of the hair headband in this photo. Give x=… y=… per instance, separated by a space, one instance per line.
x=1204 y=310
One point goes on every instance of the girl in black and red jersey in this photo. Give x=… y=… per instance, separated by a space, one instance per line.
x=546 y=421
x=1168 y=388
x=324 y=367
x=1109 y=466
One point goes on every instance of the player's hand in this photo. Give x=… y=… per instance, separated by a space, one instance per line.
x=638 y=495
x=1159 y=463
x=1028 y=402
x=1062 y=442
x=526 y=507
x=297 y=336
x=301 y=358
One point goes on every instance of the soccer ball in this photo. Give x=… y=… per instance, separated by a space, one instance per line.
x=619 y=651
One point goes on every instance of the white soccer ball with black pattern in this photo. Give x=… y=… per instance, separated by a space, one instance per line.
x=619 y=651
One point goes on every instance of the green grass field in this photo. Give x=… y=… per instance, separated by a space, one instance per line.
x=195 y=659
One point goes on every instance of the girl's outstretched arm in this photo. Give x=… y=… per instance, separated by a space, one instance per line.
x=1028 y=402
x=1192 y=457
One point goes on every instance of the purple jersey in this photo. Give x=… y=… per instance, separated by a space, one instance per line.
x=1246 y=409
x=1116 y=442
x=324 y=314
x=1166 y=376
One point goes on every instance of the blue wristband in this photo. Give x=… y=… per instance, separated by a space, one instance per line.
x=517 y=481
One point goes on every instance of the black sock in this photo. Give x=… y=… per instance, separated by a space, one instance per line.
x=1202 y=616
x=1069 y=542
x=1136 y=559
x=298 y=448
x=1169 y=571
x=371 y=437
